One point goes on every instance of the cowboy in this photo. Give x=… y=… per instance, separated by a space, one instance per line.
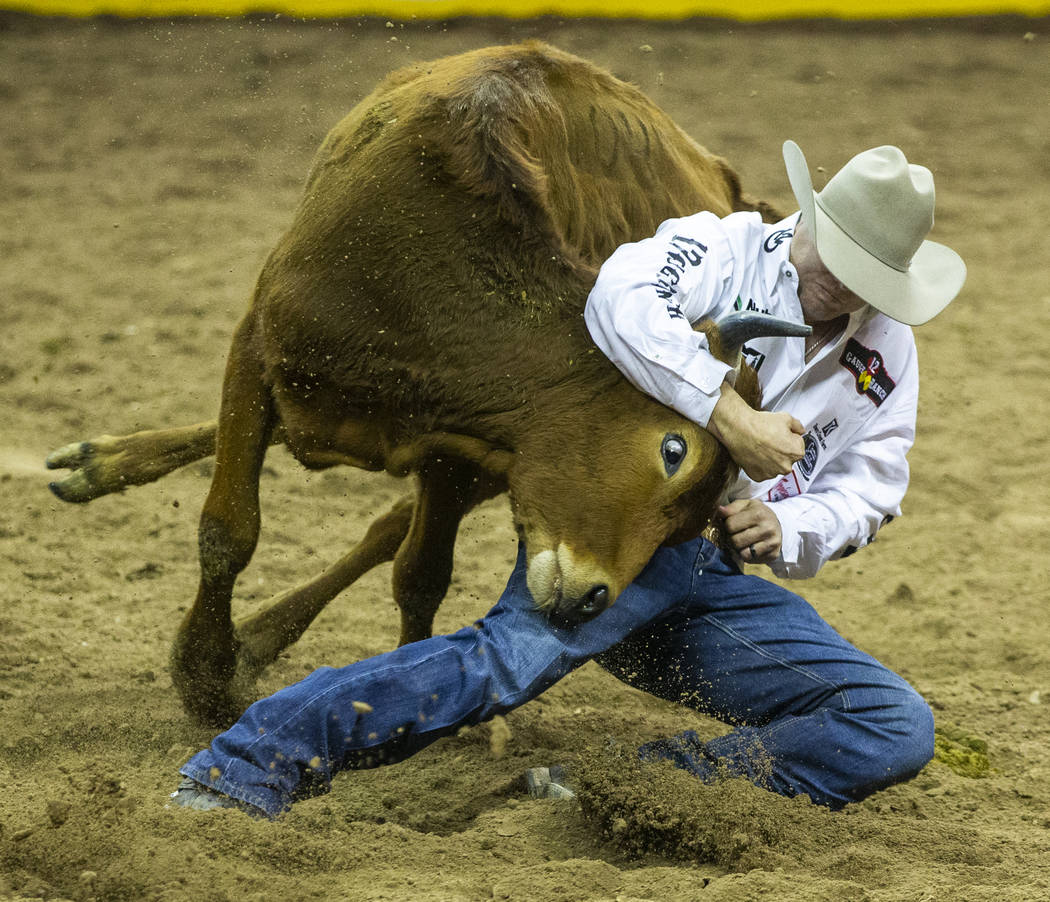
x=823 y=468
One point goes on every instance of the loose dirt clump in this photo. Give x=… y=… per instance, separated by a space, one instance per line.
x=656 y=808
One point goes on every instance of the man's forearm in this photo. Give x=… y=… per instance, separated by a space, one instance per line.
x=762 y=444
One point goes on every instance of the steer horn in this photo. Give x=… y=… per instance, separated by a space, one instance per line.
x=737 y=328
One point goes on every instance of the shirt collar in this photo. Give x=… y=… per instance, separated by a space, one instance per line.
x=776 y=248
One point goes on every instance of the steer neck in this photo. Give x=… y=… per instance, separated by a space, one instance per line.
x=551 y=375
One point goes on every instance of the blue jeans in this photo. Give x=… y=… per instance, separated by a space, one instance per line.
x=812 y=714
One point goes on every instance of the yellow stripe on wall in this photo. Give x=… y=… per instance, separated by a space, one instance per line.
x=741 y=10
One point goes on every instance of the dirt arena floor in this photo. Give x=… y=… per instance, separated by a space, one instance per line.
x=147 y=168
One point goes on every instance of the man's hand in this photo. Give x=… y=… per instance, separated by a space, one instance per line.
x=753 y=529
x=762 y=444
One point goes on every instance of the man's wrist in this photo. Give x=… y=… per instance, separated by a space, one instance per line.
x=728 y=416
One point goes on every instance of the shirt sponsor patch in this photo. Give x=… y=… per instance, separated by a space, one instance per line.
x=753 y=358
x=750 y=307
x=808 y=464
x=786 y=487
x=866 y=365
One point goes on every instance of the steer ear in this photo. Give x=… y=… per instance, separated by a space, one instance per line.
x=728 y=335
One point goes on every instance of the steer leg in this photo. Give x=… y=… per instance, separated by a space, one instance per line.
x=264 y=635
x=203 y=659
x=448 y=489
x=112 y=463
x=418 y=534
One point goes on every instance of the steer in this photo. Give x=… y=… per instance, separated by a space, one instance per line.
x=423 y=315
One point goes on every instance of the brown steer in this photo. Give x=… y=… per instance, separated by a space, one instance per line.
x=423 y=315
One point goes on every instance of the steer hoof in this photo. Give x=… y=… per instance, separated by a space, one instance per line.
x=203 y=676
x=73 y=456
x=84 y=483
x=208 y=703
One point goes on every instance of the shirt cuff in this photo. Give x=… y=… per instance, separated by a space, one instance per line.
x=791 y=538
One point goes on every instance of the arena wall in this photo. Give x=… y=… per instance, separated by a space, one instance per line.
x=740 y=10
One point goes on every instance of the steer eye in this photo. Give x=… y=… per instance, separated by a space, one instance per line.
x=673 y=452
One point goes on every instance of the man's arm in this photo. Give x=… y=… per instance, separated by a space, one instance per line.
x=640 y=314
x=842 y=510
x=762 y=444
x=643 y=304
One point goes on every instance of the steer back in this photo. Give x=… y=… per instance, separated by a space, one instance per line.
x=433 y=283
x=452 y=226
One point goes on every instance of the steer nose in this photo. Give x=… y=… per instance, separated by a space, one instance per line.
x=572 y=612
x=594 y=602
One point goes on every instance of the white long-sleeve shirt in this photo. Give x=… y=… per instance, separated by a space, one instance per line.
x=856 y=397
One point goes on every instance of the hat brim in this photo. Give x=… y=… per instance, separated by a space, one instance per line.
x=913 y=297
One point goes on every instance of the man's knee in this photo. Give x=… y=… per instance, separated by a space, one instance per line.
x=900 y=735
x=916 y=729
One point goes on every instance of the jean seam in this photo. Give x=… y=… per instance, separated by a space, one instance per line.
x=768 y=729
x=699 y=564
x=757 y=649
x=319 y=695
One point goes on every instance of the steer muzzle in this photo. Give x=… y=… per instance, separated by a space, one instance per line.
x=569 y=591
x=570 y=612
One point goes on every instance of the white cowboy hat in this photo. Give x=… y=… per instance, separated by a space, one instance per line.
x=869 y=225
